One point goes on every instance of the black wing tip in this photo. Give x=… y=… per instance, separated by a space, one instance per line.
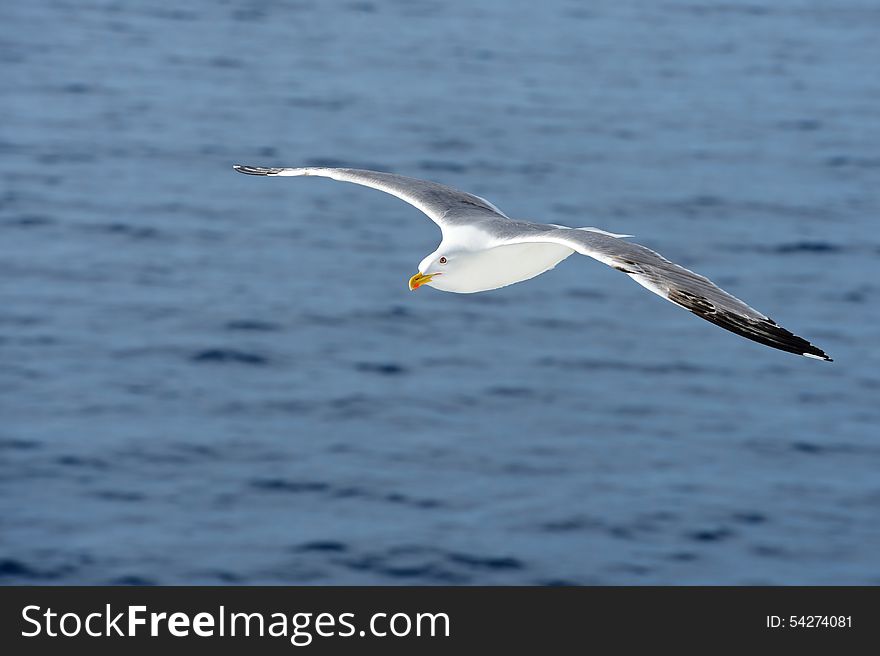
x=255 y=170
x=771 y=334
x=808 y=350
x=764 y=331
x=817 y=354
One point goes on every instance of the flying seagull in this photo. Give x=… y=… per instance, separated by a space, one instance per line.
x=482 y=249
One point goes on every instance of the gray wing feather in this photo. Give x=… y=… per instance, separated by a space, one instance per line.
x=681 y=286
x=444 y=205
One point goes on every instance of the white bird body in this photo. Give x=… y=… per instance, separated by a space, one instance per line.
x=483 y=249
x=492 y=268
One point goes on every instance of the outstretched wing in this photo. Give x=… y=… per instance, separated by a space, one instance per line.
x=444 y=205
x=677 y=284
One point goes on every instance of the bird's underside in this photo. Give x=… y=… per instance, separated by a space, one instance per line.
x=472 y=226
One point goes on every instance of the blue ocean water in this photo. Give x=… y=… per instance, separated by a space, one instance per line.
x=214 y=378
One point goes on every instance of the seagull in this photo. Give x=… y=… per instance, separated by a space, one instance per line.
x=484 y=249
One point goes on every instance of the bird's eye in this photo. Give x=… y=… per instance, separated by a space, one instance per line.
x=442 y=260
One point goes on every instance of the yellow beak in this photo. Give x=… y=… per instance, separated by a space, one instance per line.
x=420 y=279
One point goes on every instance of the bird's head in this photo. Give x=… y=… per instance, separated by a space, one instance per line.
x=433 y=266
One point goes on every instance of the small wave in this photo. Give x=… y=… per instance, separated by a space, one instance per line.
x=252 y=325
x=13 y=444
x=30 y=221
x=10 y=568
x=486 y=562
x=127 y=230
x=342 y=492
x=323 y=546
x=132 y=579
x=382 y=368
x=220 y=355
x=443 y=166
x=432 y=565
x=841 y=161
x=710 y=535
x=807 y=247
x=78 y=461
x=280 y=485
